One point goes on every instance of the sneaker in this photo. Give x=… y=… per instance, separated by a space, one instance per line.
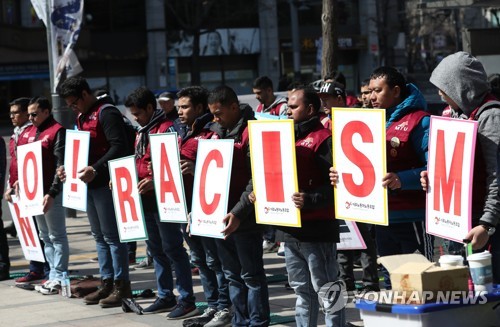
x=281 y=250
x=269 y=247
x=42 y=283
x=30 y=278
x=50 y=288
x=202 y=320
x=94 y=259
x=146 y=263
x=183 y=310
x=221 y=319
x=195 y=271
x=161 y=305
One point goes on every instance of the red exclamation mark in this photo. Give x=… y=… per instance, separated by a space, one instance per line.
x=76 y=148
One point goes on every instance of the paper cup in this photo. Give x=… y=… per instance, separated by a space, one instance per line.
x=481 y=271
x=447 y=261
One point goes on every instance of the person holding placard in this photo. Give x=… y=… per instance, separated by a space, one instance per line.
x=193 y=124
x=463 y=84
x=108 y=140
x=240 y=251
x=165 y=243
x=52 y=224
x=407 y=132
x=310 y=251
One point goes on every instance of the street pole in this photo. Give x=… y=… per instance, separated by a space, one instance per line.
x=294 y=22
x=61 y=113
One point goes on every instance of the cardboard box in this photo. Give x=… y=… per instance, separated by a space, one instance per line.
x=416 y=280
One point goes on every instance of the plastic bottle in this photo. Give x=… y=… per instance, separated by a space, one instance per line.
x=65 y=285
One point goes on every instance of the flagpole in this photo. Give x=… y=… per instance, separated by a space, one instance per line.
x=60 y=111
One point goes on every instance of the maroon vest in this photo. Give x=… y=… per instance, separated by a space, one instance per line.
x=23 y=139
x=402 y=156
x=47 y=136
x=308 y=172
x=98 y=143
x=274 y=110
x=479 y=189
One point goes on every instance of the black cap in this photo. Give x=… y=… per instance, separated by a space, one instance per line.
x=332 y=88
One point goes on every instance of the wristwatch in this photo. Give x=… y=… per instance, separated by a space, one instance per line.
x=490 y=229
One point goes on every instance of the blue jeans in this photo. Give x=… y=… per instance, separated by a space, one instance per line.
x=165 y=245
x=310 y=266
x=204 y=256
x=52 y=227
x=241 y=258
x=111 y=253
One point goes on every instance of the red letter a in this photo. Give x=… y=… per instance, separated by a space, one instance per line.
x=168 y=184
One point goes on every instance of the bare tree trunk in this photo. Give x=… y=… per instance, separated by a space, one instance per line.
x=329 y=55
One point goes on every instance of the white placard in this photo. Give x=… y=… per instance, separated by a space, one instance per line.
x=274 y=172
x=359 y=156
x=76 y=157
x=30 y=172
x=211 y=187
x=26 y=231
x=126 y=199
x=452 y=144
x=169 y=187
x=350 y=237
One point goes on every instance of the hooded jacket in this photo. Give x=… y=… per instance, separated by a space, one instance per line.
x=463 y=79
x=419 y=137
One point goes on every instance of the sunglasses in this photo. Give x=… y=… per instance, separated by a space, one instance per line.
x=33 y=114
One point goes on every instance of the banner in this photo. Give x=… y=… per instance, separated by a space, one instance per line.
x=30 y=172
x=211 y=187
x=76 y=156
x=450 y=167
x=169 y=187
x=26 y=231
x=126 y=199
x=359 y=156
x=350 y=237
x=274 y=172
x=65 y=22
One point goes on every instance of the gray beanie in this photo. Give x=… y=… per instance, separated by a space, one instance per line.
x=462 y=77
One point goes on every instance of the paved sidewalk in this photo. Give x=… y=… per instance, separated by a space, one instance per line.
x=28 y=308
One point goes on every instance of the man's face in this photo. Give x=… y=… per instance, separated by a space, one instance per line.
x=329 y=101
x=142 y=116
x=18 y=117
x=187 y=111
x=37 y=115
x=167 y=105
x=383 y=96
x=365 y=96
x=81 y=103
x=448 y=100
x=263 y=95
x=297 y=110
x=226 y=116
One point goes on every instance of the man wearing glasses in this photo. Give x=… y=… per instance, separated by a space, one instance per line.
x=108 y=140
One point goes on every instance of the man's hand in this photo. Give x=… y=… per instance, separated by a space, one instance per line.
x=187 y=167
x=334 y=176
x=61 y=173
x=150 y=168
x=298 y=199
x=478 y=237
x=48 y=201
x=8 y=195
x=391 y=181
x=87 y=174
x=251 y=197
x=145 y=185
x=232 y=223
x=424 y=180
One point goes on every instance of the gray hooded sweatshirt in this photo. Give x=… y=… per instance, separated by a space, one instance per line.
x=462 y=78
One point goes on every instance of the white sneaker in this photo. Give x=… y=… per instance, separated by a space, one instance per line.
x=281 y=250
x=146 y=263
x=222 y=318
x=53 y=287
x=268 y=246
x=38 y=287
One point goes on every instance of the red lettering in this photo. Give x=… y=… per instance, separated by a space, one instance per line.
x=76 y=148
x=167 y=185
x=125 y=195
x=209 y=208
x=25 y=225
x=454 y=180
x=273 y=173
x=358 y=158
x=30 y=156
